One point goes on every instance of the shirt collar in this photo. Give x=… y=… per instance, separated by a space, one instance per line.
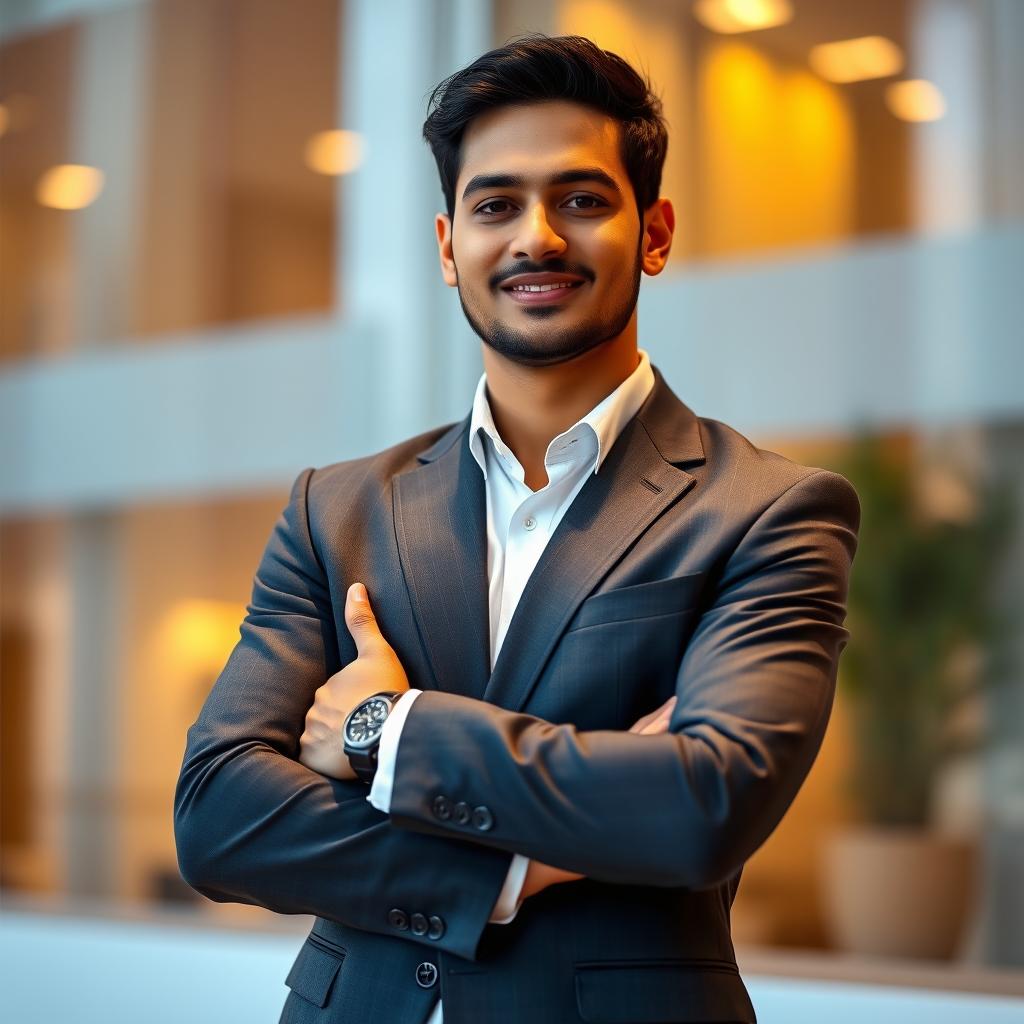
x=605 y=421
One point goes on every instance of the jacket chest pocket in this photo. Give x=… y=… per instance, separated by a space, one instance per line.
x=619 y=658
x=640 y=601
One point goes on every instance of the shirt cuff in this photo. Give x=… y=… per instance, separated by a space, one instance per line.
x=387 y=752
x=509 y=900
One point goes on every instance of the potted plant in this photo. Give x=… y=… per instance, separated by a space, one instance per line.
x=926 y=639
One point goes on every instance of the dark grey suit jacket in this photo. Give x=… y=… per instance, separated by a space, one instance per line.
x=692 y=563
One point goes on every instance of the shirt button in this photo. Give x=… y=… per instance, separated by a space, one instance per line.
x=529 y=522
x=397 y=919
x=418 y=924
x=436 y=927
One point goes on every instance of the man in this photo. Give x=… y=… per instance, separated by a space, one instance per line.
x=605 y=630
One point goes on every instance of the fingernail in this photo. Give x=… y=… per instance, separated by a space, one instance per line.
x=358 y=592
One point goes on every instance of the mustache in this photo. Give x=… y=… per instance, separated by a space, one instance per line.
x=551 y=267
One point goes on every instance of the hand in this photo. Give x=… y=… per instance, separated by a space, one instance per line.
x=376 y=668
x=539 y=876
x=655 y=722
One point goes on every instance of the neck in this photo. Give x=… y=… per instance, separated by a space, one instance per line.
x=533 y=404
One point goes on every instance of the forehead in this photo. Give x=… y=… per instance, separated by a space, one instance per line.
x=540 y=138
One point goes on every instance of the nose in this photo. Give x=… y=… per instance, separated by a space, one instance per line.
x=536 y=238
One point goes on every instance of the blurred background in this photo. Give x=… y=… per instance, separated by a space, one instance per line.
x=217 y=267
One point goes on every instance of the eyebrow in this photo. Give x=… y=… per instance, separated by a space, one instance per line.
x=487 y=181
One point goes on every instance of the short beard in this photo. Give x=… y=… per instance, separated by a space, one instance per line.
x=560 y=345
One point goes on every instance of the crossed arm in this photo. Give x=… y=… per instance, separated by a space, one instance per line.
x=377 y=668
x=687 y=807
x=254 y=825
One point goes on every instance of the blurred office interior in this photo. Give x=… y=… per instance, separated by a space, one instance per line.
x=218 y=267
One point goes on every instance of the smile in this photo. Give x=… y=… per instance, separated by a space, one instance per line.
x=541 y=287
x=534 y=294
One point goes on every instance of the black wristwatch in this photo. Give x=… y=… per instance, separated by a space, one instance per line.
x=361 y=731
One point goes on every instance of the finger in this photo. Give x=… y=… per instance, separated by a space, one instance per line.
x=653 y=729
x=641 y=723
x=361 y=621
x=660 y=719
x=656 y=728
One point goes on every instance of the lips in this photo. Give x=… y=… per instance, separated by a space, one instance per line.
x=534 y=289
x=534 y=280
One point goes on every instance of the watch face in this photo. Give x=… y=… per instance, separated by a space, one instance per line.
x=366 y=722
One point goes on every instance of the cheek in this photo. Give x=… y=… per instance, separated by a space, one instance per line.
x=477 y=257
x=613 y=242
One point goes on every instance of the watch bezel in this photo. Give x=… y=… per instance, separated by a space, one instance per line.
x=373 y=738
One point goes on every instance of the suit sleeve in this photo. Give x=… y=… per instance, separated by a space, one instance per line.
x=688 y=807
x=252 y=825
x=509 y=901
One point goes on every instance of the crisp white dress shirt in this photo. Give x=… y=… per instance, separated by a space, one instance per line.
x=520 y=523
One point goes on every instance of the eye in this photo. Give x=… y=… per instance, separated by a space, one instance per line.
x=587 y=199
x=491 y=213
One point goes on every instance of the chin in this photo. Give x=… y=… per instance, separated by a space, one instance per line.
x=519 y=350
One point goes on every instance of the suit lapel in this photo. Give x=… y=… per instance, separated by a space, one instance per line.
x=440 y=521
x=633 y=487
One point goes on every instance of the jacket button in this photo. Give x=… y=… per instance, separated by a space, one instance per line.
x=442 y=807
x=397 y=919
x=418 y=923
x=426 y=975
x=436 y=927
x=461 y=813
x=482 y=818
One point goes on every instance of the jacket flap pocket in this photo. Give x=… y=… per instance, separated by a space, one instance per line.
x=313 y=973
x=662 y=992
x=641 y=600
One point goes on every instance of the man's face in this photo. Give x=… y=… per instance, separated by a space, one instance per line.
x=543 y=199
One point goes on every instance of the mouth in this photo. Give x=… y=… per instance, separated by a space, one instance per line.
x=552 y=293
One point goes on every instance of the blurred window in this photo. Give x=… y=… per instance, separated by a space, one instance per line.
x=155 y=171
x=114 y=626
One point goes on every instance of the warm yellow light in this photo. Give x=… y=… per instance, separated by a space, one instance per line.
x=854 y=60
x=5 y=119
x=334 y=152
x=69 y=186
x=915 y=100
x=198 y=635
x=730 y=16
x=776 y=148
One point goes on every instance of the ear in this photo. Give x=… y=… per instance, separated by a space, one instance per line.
x=443 y=227
x=659 y=224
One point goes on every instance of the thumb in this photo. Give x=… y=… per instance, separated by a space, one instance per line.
x=361 y=621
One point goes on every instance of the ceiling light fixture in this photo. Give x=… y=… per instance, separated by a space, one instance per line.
x=856 y=60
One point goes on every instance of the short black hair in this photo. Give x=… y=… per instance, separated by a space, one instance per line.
x=535 y=68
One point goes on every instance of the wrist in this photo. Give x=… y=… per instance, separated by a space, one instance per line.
x=362 y=729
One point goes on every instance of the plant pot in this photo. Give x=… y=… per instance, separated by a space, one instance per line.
x=898 y=892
